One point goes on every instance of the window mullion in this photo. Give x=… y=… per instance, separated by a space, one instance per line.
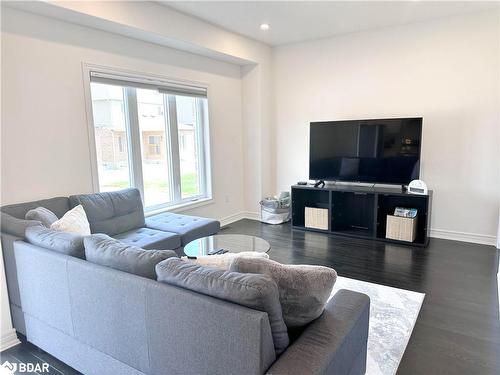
x=174 y=148
x=134 y=139
x=168 y=149
x=200 y=139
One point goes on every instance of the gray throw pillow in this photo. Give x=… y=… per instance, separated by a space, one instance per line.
x=43 y=215
x=62 y=242
x=257 y=292
x=106 y=251
x=303 y=289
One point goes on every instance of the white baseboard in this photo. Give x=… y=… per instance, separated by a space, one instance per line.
x=231 y=218
x=482 y=239
x=239 y=216
x=252 y=215
x=8 y=340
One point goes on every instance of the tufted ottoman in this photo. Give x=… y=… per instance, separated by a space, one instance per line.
x=188 y=227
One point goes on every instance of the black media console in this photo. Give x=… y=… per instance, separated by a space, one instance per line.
x=359 y=211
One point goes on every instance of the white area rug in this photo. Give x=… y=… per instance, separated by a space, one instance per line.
x=393 y=313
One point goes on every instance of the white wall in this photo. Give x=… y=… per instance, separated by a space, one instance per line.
x=446 y=71
x=165 y=26
x=259 y=178
x=45 y=149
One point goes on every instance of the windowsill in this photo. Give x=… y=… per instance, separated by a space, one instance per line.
x=181 y=207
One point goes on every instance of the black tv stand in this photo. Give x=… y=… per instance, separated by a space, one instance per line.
x=360 y=211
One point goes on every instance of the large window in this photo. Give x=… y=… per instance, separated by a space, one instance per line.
x=151 y=136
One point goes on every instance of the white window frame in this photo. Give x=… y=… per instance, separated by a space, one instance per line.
x=134 y=142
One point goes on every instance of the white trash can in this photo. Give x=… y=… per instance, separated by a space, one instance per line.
x=275 y=210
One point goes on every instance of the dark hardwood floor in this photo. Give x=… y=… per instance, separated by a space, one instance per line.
x=458 y=329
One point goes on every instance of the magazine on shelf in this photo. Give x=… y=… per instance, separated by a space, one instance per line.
x=405 y=212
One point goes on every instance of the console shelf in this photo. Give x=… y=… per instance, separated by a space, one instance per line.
x=358 y=211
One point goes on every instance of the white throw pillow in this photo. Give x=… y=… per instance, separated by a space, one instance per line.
x=223 y=261
x=73 y=221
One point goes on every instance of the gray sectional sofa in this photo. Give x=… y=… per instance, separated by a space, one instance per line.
x=119 y=214
x=104 y=321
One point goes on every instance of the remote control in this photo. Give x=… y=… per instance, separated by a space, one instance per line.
x=216 y=251
x=319 y=183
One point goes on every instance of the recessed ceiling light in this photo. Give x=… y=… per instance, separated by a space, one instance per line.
x=264 y=26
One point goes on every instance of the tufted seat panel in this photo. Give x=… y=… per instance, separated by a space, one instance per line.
x=147 y=238
x=187 y=227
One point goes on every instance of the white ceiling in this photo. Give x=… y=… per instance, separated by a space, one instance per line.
x=296 y=21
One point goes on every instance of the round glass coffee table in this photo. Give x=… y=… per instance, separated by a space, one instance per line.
x=233 y=243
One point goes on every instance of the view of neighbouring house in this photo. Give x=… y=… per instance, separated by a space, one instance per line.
x=112 y=141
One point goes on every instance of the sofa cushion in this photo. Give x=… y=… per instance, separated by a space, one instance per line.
x=106 y=251
x=62 y=242
x=58 y=206
x=14 y=226
x=112 y=212
x=303 y=289
x=42 y=214
x=188 y=227
x=258 y=292
x=150 y=239
x=73 y=221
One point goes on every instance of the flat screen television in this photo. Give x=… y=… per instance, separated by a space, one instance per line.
x=385 y=151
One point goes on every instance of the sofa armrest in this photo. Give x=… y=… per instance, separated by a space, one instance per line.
x=335 y=343
x=14 y=226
